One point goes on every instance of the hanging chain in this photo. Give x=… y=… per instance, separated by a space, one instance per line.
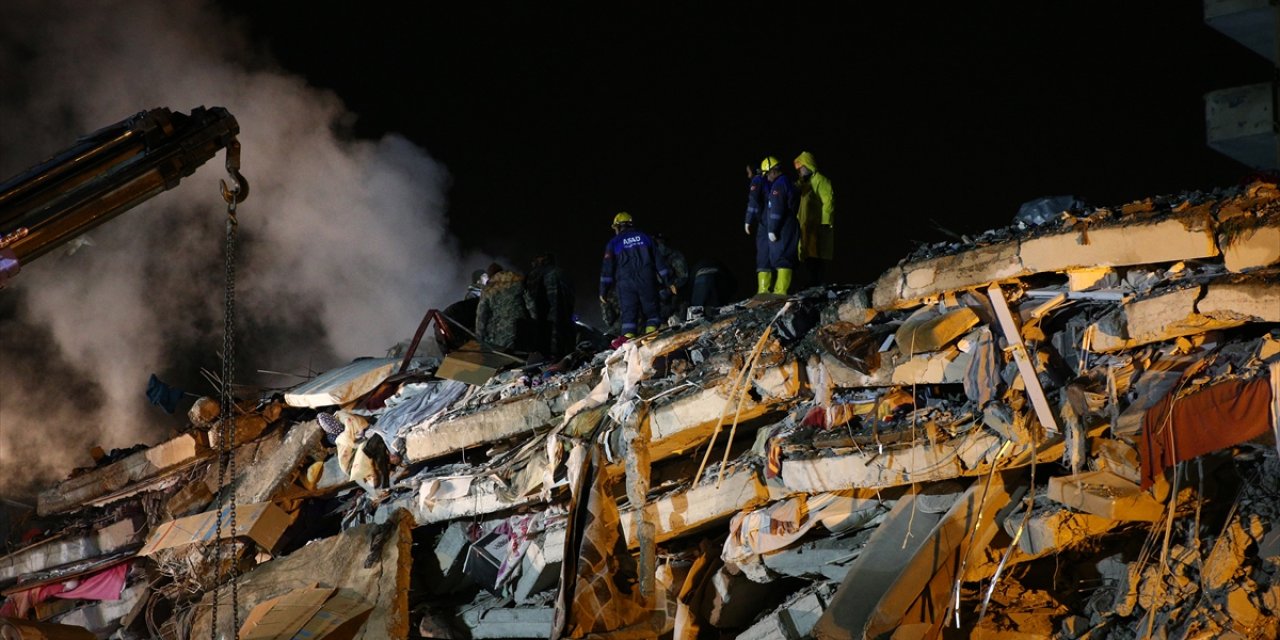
x=233 y=194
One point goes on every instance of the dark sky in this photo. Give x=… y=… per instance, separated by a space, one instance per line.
x=552 y=118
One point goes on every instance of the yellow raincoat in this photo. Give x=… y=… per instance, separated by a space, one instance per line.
x=817 y=212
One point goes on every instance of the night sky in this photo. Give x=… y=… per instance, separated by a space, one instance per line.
x=552 y=118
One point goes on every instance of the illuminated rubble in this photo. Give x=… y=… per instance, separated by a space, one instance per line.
x=1057 y=431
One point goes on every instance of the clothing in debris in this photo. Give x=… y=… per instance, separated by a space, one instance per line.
x=633 y=265
x=503 y=305
x=1211 y=419
x=816 y=217
x=552 y=294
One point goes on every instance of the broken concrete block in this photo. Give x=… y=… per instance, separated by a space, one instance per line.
x=1105 y=494
x=1177 y=237
x=1054 y=529
x=903 y=286
x=705 y=504
x=894 y=466
x=1188 y=311
x=934 y=331
x=370 y=560
x=62 y=550
x=1088 y=277
x=508 y=622
x=342 y=385
x=859 y=604
x=447 y=498
x=263 y=523
x=1252 y=249
x=102 y=616
x=1225 y=557
x=942 y=367
x=1252 y=301
x=491 y=423
x=540 y=567
x=681 y=422
x=99 y=482
x=276 y=471
x=794 y=620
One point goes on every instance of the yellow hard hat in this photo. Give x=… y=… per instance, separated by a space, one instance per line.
x=768 y=163
x=621 y=218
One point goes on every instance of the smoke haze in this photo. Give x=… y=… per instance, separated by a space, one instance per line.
x=344 y=243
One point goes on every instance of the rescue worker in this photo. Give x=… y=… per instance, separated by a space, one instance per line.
x=552 y=296
x=757 y=201
x=817 y=219
x=675 y=303
x=778 y=231
x=633 y=265
x=504 y=306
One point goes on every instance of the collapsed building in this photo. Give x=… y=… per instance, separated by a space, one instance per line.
x=1056 y=429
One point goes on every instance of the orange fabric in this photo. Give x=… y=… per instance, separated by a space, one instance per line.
x=1213 y=418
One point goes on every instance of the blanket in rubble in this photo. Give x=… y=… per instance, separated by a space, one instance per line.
x=606 y=593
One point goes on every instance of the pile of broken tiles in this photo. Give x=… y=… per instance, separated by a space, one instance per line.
x=1057 y=431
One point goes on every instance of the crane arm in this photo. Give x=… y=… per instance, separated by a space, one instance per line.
x=107 y=173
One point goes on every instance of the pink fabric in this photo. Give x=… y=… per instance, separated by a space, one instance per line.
x=20 y=604
x=103 y=585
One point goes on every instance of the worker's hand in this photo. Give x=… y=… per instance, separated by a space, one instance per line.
x=750 y=173
x=603 y=301
x=747 y=227
x=673 y=289
x=773 y=237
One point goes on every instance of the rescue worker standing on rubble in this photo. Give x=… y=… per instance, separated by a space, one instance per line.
x=552 y=295
x=504 y=306
x=675 y=303
x=778 y=230
x=817 y=219
x=633 y=266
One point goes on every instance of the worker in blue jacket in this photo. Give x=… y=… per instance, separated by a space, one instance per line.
x=633 y=265
x=778 y=233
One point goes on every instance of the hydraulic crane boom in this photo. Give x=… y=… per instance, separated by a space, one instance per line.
x=107 y=173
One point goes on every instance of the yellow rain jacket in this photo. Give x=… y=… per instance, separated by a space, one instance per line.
x=817 y=212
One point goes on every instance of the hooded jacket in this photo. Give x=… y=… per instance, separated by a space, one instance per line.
x=817 y=212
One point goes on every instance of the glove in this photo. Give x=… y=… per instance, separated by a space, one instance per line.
x=773 y=237
x=747 y=227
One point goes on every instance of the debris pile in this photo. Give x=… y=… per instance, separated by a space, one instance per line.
x=1065 y=429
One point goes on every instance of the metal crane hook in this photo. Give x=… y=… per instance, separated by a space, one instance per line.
x=238 y=190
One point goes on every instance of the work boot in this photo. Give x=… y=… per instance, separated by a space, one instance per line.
x=765 y=280
x=783 y=283
x=650 y=329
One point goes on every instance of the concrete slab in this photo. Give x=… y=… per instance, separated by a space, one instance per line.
x=138 y=466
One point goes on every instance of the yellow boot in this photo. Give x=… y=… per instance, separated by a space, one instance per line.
x=783 y=283
x=765 y=280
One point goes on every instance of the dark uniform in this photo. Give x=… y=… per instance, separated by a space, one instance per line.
x=634 y=266
x=780 y=220
x=552 y=296
x=757 y=203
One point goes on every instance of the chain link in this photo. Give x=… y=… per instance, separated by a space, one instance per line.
x=226 y=434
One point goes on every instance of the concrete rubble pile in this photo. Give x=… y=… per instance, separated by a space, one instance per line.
x=1065 y=430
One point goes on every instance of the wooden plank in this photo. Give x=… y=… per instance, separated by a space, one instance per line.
x=1025 y=367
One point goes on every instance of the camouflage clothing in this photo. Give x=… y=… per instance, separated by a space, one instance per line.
x=503 y=305
x=552 y=308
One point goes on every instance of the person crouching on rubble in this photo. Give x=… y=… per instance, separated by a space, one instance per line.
x=778 y=232
x=633 y=265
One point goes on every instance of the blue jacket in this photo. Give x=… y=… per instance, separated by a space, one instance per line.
x=632 y=257
x=757 y=196
x=782 y=204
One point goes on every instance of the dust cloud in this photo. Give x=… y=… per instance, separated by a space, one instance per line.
x=344 y=242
